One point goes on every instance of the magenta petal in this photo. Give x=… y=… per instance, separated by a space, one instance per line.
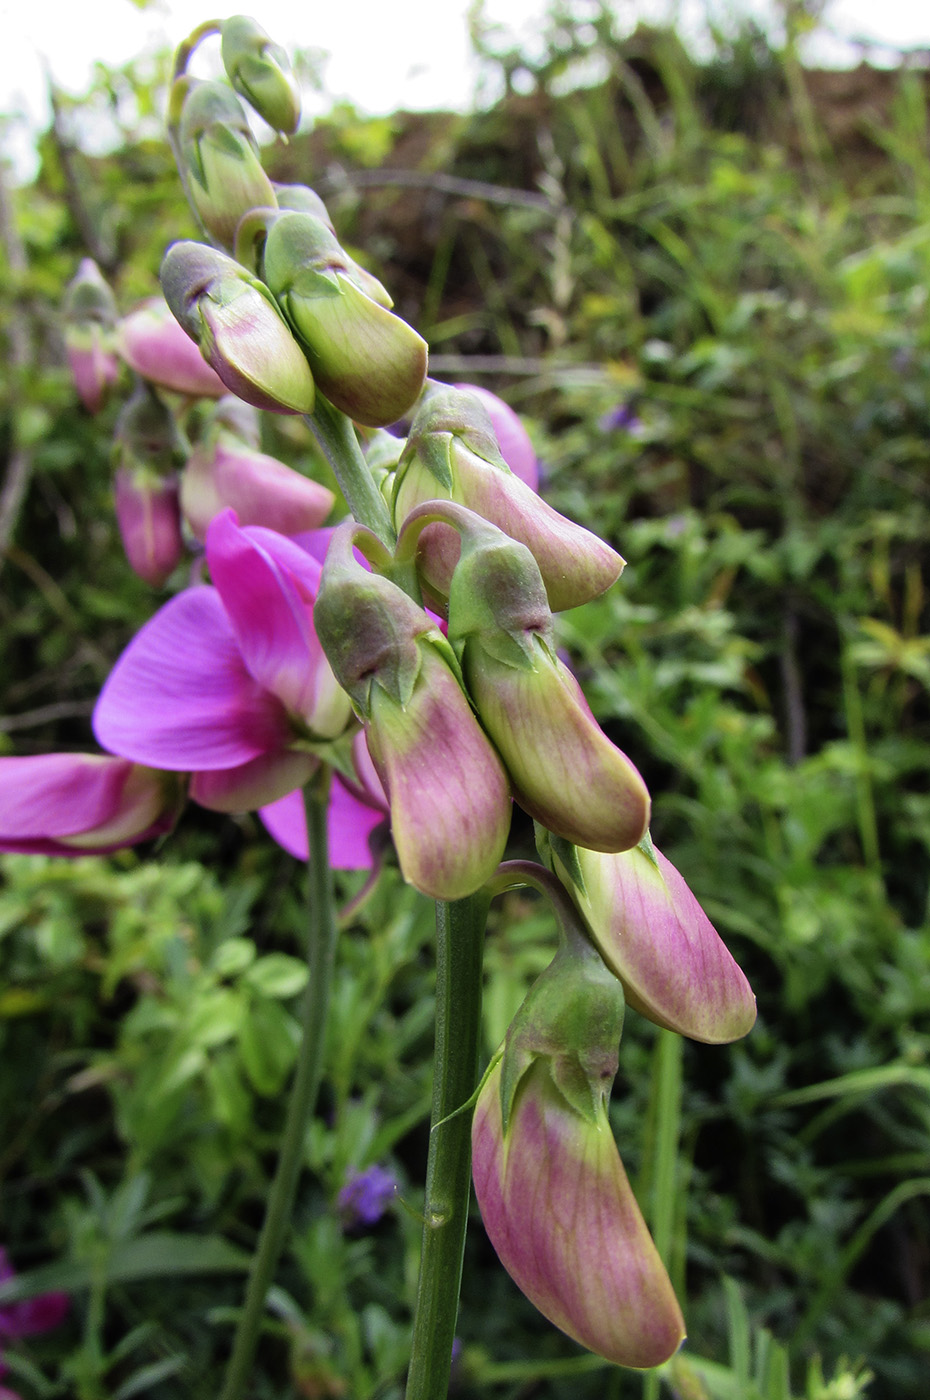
x=59 y=794
x=180 y=697
x=349 y=825
x=268 y=585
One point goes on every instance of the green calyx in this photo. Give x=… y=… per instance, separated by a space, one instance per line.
x=497 y=600
x=369 y=628
x=572 y=1019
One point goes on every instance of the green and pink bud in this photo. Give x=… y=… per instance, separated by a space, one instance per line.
x=221 y=165
x=446 y=787
x=233 y=318
x=368 y=362
x=225 y=471
x=654 y=935
x=260 y=71
x=453 y=454
x=146 y=451
x=565 y=771
x=154 y=345
x=89 y=335
x=554 y=1197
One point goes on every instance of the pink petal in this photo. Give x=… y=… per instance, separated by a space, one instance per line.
x=59 y=794
x=252 y=785
x=180 y=697
x=268 y=584
x=349 y=825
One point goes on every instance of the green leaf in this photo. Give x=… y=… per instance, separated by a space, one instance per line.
x=278 y=975
x=161 y=1253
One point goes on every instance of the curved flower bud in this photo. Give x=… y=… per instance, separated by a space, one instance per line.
x=78 y=804
x=89 y=331
x=226 y=472
x=560 y=1212
x=149 y=520
x=146 y=450
x=154 y=345
x=260 y=71
x=554 y=1197
x=653 y=934
x=224 y=173
x=452 y=454
x=565 y=771
x=513 y=440
x=367 y=361
x=233 y=318
x=448 y=793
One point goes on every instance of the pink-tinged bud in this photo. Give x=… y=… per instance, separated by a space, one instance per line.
x=146 y=450
x=76 y=804
x=513 y=440
x=233 y=318
x=367 y=361
x=565 y=771
x=89 y=328
x=224 y=472
x=653 y=934
x=554 y=1197
x=149 y=519
x=448 y=793
x=561 y=1214
x=154 y=345
x=260 y=71
x=225 y=178
x=452 y=454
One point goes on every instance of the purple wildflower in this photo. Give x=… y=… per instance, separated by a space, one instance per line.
x=365 y=1197
x=623 y=418
x=27 y=1318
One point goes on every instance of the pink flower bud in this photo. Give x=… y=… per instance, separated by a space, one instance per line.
x=154 y=345
x=261 y=490
x=90 y=322
x=514 y=441
x=565 y=771
x=559 y=1210
x=452 y=454
x=149 y=520
x=653 y=934
x=234 y=319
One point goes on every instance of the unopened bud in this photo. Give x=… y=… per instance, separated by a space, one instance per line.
x=241 y=333
x=89 y=334
x=367 y=361
x=154 y=345
x=224 y=173
x=452 y=453
x=260 y=71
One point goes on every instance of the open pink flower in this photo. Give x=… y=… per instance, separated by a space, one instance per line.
x=77 y=804
x=229 y=682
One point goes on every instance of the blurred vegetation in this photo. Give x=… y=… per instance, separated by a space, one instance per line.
x=705 y=285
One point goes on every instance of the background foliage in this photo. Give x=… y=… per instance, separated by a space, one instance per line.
x=706 y=287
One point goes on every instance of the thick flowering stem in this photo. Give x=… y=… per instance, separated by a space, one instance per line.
x=460 y=946
x=336 y=436
x=321 y=947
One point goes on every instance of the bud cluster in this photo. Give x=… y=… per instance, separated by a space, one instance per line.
x=408 y=660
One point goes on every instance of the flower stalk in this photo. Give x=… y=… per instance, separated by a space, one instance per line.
x=321 y=949
x=460 y=947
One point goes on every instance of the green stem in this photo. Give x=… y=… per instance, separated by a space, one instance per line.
x=336 y=437
x=321 y=948
x=460 y=947
x=667 y=1088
